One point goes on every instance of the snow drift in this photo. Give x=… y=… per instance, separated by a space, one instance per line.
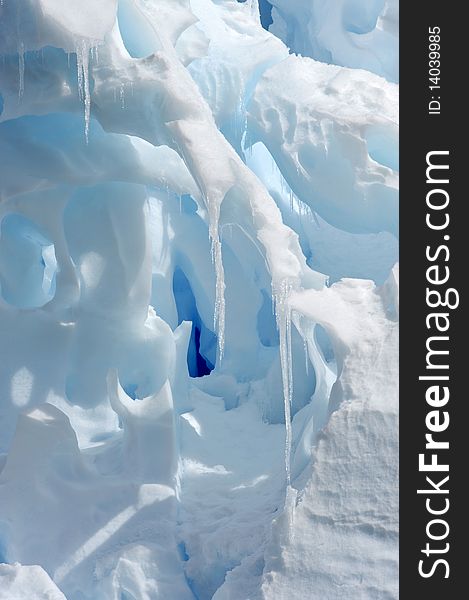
x=198 y=300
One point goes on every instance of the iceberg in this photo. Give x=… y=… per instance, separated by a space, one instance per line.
x=198 y=300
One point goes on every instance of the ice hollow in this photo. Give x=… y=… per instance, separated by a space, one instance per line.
x=198 y=300
x=361 y=34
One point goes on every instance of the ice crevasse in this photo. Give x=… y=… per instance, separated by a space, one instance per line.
x=198 y=300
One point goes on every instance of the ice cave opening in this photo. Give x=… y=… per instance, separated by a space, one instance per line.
x=203 y=342
x=29 y=281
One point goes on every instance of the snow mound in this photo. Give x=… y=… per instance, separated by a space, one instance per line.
x=32 y=582
x=198 y=301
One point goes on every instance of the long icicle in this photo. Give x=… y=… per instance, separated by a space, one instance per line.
x=219 y=312
x=21 y=70
x=83 y=58
x=283 y=317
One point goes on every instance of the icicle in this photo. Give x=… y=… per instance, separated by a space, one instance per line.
x=305 y=346
x=79 y=78
x=122 y=95
x=247 y=142
x=238 y=116
x=283 y=318
x=291 y=496
x=219 y=312
x=94 y=54
x=245 y=118
x=241 y=119
x=21 y=70
x=83 y=57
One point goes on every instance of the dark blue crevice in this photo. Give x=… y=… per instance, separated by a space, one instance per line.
x=183 y=552
x=185 y=557
x=200 y=353
x=265 y=8
x=203 y=366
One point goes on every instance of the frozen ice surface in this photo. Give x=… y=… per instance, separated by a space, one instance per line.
x=362 y=34
x=30 y=582
x=198 y=300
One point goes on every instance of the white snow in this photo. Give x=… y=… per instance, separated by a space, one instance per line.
x=32 y=582
x=198 y=300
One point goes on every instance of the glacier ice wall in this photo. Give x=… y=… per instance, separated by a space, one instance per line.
x=198 y=300
x=362 y=34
